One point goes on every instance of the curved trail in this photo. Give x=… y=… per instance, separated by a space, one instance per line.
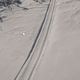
x=30 y=62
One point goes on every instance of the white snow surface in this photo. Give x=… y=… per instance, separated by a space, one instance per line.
x=17 y=34
x=61 y=53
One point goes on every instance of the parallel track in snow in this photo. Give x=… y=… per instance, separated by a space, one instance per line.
x=29 y=65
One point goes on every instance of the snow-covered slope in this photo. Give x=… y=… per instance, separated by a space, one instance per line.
x=17 y=34
x=61 y=53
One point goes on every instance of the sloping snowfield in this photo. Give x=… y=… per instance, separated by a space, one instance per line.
x=61 y=53
x=17 y=34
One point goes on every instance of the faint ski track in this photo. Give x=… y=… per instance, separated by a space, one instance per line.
x=40 y=55
x=33 y=46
